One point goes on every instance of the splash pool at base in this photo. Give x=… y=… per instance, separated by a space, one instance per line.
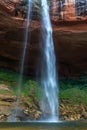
x=72 y=125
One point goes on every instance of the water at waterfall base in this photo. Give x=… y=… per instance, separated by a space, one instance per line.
x=69 y=125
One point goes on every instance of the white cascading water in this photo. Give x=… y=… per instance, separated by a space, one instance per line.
x=49 y=81
x=49 y=77
x=16 y=110
x=24 y=48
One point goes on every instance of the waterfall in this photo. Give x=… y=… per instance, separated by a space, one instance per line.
x=49 y=103
x=49 y=77
x=17 y=108
x=24 y=49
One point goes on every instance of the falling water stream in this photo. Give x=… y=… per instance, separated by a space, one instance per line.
x=26 y=36
x=17 y=108
x=49 y=80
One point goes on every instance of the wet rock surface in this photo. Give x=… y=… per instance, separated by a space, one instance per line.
x=13 y=108
x=68 y=111
x=28 y=108
x=9 y=111
x=29 y=112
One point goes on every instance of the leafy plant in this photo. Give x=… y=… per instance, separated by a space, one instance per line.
x=75 y=95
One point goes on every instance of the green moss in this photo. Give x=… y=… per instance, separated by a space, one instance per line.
x=73 y=89
x=11 y=79
x=75 y=95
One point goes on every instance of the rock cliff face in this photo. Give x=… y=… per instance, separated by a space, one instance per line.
x=71 y=52
x=70 y=48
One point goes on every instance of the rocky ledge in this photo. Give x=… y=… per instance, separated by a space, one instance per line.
x=31 y=110
x=69 y=111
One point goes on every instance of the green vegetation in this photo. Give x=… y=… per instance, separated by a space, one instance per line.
x=11 y=80
x=74 y=89
x=74 y=95
x=80 y=82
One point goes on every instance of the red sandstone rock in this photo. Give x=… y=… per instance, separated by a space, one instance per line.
x=70 y=48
